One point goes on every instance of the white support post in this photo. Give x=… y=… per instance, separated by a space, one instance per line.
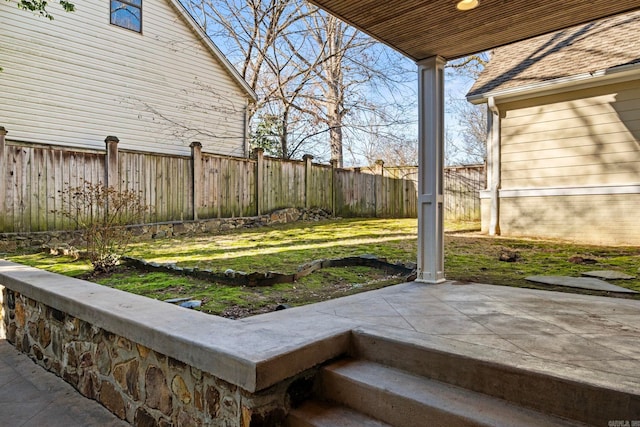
x=430 y=170
x=493 y=166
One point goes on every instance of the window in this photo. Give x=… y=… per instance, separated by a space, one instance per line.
x=127 y=14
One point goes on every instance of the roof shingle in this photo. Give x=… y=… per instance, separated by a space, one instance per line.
x=591 y=47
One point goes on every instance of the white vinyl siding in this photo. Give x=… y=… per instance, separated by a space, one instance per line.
x=74 y=80
x=588 y=137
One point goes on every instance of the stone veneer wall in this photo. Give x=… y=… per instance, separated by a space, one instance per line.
x=138 y=384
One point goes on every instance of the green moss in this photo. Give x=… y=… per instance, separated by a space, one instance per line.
x=468 y=257
x=474 y=258
x=61 y=264
x=283 y=248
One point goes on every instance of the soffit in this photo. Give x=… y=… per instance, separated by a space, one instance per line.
x=424 y=28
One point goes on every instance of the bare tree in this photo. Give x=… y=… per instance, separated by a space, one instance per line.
x=333 y=40
x=383 y=134
x=470 y=66
x=249 y=30
x=309 y=69
x=356 y=79
x=467 y=143
x=256 y=36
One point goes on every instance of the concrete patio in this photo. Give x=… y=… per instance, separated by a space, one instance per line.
x=574 y=338
x=578 y=336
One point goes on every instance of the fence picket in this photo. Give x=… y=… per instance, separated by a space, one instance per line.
x=226 y=186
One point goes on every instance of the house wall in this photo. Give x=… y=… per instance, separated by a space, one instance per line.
x=76 y=79
x=588 y=137
x=570 y=165
x=592 y=219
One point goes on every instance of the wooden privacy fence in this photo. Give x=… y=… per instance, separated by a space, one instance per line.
x=179 y=188
x=462 y=186
x=374 y=195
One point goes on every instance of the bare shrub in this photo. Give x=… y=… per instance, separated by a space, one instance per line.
x=102 y=214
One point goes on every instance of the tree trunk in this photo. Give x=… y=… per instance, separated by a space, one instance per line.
x=285 y=134
x=335 y=87
x=335 y=134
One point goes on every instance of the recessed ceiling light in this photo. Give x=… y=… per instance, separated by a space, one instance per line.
x=467 y=4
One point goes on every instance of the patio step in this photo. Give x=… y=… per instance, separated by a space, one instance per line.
x=581 y=401
x=322 y=414
x=401 y=381
x=402 y=399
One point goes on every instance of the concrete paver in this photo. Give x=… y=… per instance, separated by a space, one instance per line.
x=608 y=275
x=32 y=396
x=580 y=282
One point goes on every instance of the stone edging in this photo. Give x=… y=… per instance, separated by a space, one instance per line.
x=256 y=279
x=10 y=242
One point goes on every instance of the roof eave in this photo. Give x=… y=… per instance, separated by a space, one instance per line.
x=217 y=53
x=611 y=75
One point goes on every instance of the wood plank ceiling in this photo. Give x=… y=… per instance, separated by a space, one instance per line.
x=424 y=28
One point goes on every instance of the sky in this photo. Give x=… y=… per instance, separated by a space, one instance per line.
x=456 y=86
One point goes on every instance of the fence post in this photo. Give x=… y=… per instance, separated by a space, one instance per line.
x=3 y=177
x=112 y=177
x=307 y=179
x=379 y=168
x=196 y=182
x=334 y=167
x=259 y=155
x=379 y=187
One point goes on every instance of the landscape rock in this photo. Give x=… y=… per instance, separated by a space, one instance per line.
x=191 y=304
x=609 y=275
x=509 y=256
x=177 y=300
x=579 y=282
x=269 y=278
x=65 y=243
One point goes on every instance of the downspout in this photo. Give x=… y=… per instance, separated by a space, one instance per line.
x=493 y=166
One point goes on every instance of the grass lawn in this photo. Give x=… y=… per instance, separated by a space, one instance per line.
x=469 y=257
